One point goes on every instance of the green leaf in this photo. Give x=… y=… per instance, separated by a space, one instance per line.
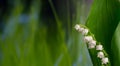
x=115 y=47
x=102 y=22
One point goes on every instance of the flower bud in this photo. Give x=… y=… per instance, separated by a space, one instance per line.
x=100 y=55
x=91 y=46
x=99 y=47
x=77 y=26
x=88 y=39
x=104 y=60
x=81 y=29
x=85 y=31
x=92 y=42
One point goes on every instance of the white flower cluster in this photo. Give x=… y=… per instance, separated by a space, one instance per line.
x=81 y=29
x=92 y=43
x=102 y=57
x=89 y=40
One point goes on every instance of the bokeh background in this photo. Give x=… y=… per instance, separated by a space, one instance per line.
x=41 y=33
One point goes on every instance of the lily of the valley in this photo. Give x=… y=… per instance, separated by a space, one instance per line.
x=81 y=29
x=91 y=46
x=99 y=47
x=100 y=55
x=85 y=31
x=105 y=60
x=92 y=42
x=77 y=27
x=88 y=39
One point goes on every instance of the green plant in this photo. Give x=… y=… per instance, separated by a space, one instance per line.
x=49 y=39
x=102 y=21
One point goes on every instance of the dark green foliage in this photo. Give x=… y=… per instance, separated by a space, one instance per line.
x=102 y=21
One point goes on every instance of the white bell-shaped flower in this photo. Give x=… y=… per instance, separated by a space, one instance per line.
x=88 y=39
x=77 y=27
x=85 y=31
x=91 y=46
x=92 y=42
x=81 y=29
x=100 y=55
x=105 y=60
x=99 y=47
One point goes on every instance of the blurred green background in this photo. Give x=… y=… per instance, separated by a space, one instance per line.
x=41 y=33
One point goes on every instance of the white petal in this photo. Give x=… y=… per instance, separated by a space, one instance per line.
x=85 y=31
x=81 y=29
x=92 y=42
x=77 y=26
x=99 y=47
x=88 y=39
x=104 y=60
x=91 y=46
x=100 y=55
